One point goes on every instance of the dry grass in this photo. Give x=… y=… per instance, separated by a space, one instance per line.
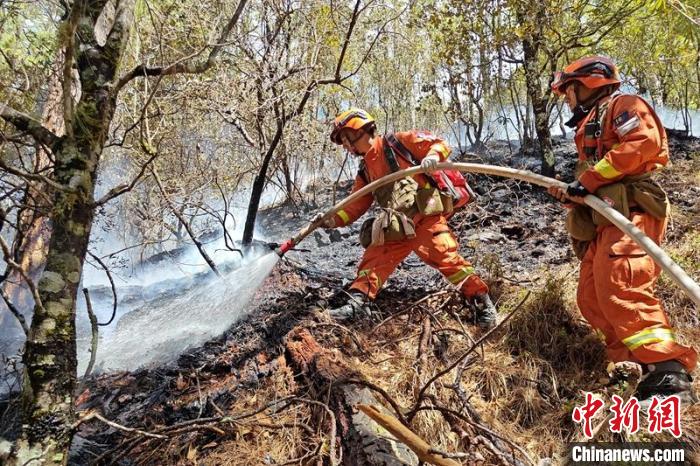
x=686 y=253
x=254 y=441
x=524 y=382
x=518 y=383
x=552 y=329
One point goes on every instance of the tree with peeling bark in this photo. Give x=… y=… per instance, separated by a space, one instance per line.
x=95 y=34
x=27 y=204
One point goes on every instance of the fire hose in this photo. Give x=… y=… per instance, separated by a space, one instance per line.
x=677 y=274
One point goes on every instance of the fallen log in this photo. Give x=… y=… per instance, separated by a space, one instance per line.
x=322 y=371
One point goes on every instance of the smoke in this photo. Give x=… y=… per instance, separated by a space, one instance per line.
x=673 y=118
x=174 y=303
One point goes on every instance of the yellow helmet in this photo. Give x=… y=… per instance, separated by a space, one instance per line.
x=354 y=118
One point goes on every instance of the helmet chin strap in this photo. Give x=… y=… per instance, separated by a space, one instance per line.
x=582 y=109
x=596 y=96
x=579 y=113
x=356 y=152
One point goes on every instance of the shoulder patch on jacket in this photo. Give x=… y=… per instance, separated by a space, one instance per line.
x=625 y=122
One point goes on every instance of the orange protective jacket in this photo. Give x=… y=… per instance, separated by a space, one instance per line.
x=632 y=142
x=419 y=143
x=617 y=278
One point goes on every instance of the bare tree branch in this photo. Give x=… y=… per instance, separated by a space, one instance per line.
x=186 y=66
x=346 y=42
x=12 y=264
x=185 y=224
x=484 y=337
x=15 y=312
x=98 y=416
x=236 y=123
x=24 y=122
x=114 y=289
x=34 y=177
x=336 y=79
x=685 y=10
x=93 y=328
x=125 y=188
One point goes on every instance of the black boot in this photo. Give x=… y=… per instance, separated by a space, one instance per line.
x=355 y=307
x=484 y=311
x=663 y=379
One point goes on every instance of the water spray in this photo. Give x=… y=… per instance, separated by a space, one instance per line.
x=676 y=273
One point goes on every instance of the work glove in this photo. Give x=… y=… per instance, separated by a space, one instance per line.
x=576 y=189
x=429 y=163
x=327 y=223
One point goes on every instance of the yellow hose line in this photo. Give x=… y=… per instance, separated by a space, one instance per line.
x=676 y=273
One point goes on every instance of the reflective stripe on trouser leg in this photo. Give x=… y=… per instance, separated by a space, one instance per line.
x=624 y=279
x=461 y=274
x=648 y=336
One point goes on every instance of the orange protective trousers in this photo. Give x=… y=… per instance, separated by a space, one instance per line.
x=434 y=243
x=616 y=296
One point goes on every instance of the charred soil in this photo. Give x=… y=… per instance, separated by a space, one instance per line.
x=280 y=387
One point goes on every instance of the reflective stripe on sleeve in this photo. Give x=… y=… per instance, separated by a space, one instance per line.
x=606 y=170
x=651 y=335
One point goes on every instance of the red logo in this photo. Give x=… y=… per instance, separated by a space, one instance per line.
x=665 y=414
x=584 y=414
x=626 y=415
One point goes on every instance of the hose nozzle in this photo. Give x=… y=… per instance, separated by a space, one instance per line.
x=282 y=249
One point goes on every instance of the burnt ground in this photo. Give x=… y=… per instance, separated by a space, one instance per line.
x=223 y=403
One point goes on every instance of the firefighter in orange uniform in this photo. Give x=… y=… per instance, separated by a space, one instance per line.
x=413 y=215
x=621 y=142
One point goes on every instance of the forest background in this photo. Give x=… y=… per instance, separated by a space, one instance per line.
x=132 y=127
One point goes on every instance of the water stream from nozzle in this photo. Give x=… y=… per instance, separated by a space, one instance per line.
x=162 y=329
